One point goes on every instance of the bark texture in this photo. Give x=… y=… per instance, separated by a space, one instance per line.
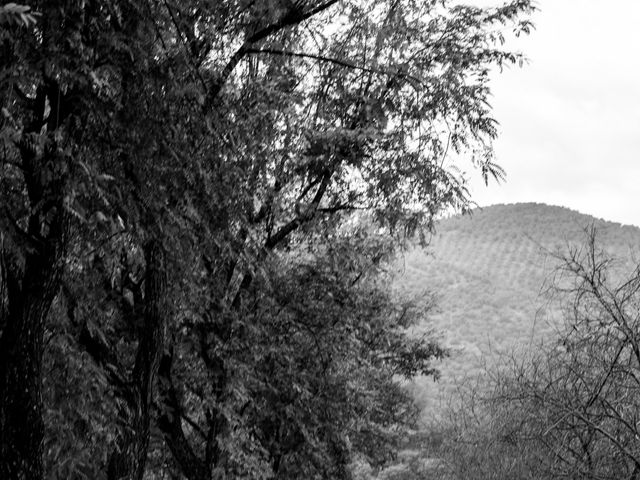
x=130 y=456
x=32 y=269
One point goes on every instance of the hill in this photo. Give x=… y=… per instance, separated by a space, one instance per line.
x=488 y=272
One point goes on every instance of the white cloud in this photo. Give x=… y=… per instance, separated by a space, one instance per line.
x=570 y=121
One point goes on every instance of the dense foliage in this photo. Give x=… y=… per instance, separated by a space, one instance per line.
x=198 y=201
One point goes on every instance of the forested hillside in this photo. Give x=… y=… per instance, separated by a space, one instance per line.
x=490 y=274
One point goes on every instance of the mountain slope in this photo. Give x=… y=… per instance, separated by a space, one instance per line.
x=489 y=272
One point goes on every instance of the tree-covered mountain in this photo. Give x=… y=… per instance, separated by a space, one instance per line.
x=490 y=272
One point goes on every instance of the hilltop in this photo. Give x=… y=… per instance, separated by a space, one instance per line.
x=489 y=272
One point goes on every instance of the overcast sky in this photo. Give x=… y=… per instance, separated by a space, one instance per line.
x=570 y=120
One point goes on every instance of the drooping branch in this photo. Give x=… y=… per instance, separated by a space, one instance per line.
x=335 y=61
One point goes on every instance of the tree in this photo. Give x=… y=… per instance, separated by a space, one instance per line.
x=159 y=160
x=570 y=409
x=328 y=342
x=586 y=389
x=488 y=431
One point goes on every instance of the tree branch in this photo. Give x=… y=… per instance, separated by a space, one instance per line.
x=292 y=17
x=336 y=61
x=291 y=226
x=170 y=424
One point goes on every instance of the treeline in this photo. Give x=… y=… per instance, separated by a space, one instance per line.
x=197 y=203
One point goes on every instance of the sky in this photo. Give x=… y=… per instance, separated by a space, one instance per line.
x=570 y=119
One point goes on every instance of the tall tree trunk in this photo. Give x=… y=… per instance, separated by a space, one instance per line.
x=32 y=279
x=29 y=297
x=170 y=423
x=129 y=460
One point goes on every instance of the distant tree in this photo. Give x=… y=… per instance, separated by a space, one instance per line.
x=486 y=433
x=586 y=390
x=569 y=410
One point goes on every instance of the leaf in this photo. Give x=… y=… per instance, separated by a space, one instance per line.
x=19 y=15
